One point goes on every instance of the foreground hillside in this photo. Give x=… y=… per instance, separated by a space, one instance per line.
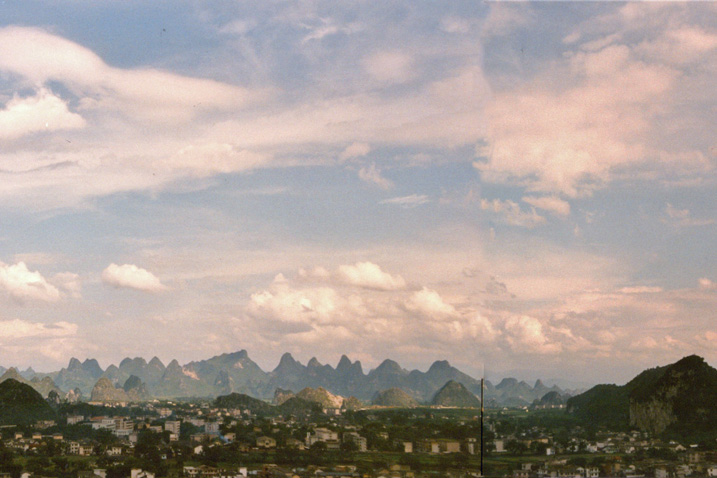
x=20 y=404
x=677 y=399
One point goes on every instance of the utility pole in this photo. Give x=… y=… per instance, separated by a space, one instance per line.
x=481 y=426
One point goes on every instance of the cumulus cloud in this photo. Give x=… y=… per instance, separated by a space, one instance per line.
x=511 y=213
x=525 y=333
x=130 y=276
x=371 y=174
x=355 y=150
x=69 y=283
x=42 y=112
x=23 y=284
x=370 y=276
x=430 y=304
x=301 y=307
x=707 y=284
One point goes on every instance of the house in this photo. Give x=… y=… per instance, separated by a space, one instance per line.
x=75 y=419
x=294 y=444
x=173 y=426
x=662 y=473
x=331 y=438
x=139 y=473
x=265 y=442
x=114 y=451
x=440 y=445
x=356 y=439
x=211 y=428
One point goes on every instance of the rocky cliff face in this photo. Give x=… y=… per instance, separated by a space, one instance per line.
x=682 y=397
x=134 y=390
x=105 y=391
x=653 y=415
x=679 y=399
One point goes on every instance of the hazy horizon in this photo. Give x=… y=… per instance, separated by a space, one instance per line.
x=529 y=186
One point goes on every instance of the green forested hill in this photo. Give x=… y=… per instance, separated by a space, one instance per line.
x=20 y=404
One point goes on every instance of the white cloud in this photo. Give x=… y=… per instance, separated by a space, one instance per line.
x=26 y=342
x=455 y=25
x=11 y=330
x=42 y=112
x=213 y=158
x=707 y=284
x=525 y=333
x=551 y=204
x=683 y=217
x=370 y=276
x=389 y=66
x=430 y=304
x=69 y=283
x=22 y=284
x=371 y=174
x=408 y=201
x=606 y=118
x=132 y=277
x=511 y=214
x=641 y=290
x=307 y=307
x=355 y=150
x=155 y=95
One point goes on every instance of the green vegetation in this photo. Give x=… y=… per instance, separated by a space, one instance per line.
x=20 y=404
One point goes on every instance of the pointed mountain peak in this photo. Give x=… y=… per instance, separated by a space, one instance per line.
x=288 y=366
x=344 y=363
x=92 y=367
x=314 y=362
x=125 y=362
x=74 y=364
x=12 y=373
x=174 y=365
x=455 y=394
x=156 y=363
x=539 y=385
x=390 y=366
x=507 y=382
x=287 y=359
x=439 y=366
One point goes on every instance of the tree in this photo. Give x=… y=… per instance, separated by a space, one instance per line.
x=515 y=447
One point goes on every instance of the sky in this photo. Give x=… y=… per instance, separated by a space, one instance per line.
x=524 y=189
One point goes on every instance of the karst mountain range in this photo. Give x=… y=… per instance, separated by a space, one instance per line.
x=135 y=379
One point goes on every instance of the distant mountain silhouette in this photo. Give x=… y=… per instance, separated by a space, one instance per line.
x=237 y=373
x=455 y=394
